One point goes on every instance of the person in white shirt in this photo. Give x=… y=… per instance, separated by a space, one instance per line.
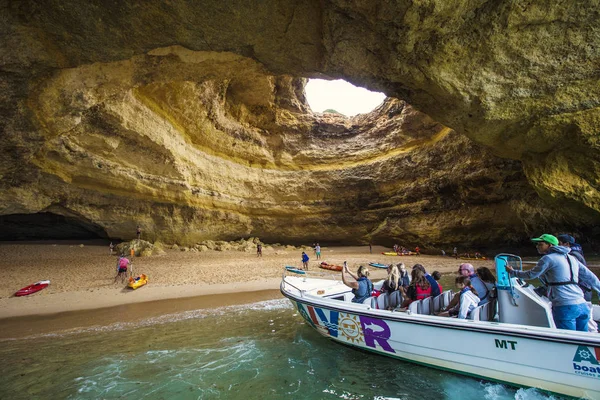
x=468 y=296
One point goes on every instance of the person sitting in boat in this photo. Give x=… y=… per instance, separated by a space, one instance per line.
x=437 y=276
x=404 y=276
x=488 y=279
x=122 y=264
x=561 y=273
x=391 y=287
x=392 y=282
x=467 y=269
x=468 y=298
x=435 y=288
x=419 y=288
x=361 y=286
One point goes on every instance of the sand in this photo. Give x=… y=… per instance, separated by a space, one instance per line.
x=82 y=273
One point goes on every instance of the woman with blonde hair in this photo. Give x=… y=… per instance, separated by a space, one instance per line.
x=361 y=286
x=392 y=287
x=392 y=282
x=404 y=276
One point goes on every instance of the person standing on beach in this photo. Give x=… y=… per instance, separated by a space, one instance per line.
x=305 y=261
x=455 y=253
x=139 y=232
x=318 y=251
x=258 y=250
x=418 y=250
x=122 y=264
x=111 y=247
x=370 y=249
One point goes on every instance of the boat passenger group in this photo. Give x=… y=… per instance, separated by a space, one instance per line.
x=567 y=283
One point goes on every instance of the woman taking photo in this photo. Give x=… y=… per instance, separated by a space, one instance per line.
x=361 y=285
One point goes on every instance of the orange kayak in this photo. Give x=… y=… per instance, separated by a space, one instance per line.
x=331 y=267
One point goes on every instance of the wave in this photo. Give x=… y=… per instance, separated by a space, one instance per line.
x=261 y=306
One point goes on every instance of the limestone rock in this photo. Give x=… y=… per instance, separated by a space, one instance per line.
x=191 y=121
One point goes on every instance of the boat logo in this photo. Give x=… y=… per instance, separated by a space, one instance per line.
x=587 y=362
x=350 y=328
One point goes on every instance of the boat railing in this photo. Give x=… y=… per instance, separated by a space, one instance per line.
x=312 y=274
x=284 y=282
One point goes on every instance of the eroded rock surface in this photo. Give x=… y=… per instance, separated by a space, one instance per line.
x=192 y=122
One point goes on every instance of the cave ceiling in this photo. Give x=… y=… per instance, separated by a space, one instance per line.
x=190 y=120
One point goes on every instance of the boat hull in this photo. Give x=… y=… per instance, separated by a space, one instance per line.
x=488 y=350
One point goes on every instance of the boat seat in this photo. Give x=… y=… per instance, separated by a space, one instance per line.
x=395 y=299
x=449 y=296
x=381 y=302
x=485 y=312
x=437 y=303
x=426 y=306
x=415 y=307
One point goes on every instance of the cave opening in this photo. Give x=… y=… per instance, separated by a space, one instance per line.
x=48 y=226
x=340 y=97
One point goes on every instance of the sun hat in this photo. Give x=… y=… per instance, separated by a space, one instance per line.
x=566 y=239
x=550 y=239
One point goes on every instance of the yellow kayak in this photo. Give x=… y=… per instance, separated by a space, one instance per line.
x=138 y=281
x=389 y=253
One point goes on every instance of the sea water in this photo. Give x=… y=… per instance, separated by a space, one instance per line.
x=256 y=351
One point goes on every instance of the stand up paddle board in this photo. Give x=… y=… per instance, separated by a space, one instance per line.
x=36 y=287
x=377 y=265
x=295 y=270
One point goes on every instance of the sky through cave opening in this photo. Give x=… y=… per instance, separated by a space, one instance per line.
x=341 y=96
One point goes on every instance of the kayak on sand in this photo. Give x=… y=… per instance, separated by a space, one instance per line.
x=36 y=287
x=330 y=267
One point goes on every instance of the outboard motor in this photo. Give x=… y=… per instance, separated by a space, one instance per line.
x=517 y=302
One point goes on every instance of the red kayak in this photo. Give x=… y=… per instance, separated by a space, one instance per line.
x=331 y=267
x=36 y=287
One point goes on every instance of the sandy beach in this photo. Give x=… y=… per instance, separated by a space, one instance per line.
x=82 y=273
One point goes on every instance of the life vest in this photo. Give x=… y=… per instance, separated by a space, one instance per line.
x=368 y=292
x=421 y=293
x=571 y=281
x=123 y=263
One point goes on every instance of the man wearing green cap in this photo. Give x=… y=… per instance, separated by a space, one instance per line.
x=560 y=273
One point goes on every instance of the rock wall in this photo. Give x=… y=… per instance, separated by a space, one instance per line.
x=191 y=121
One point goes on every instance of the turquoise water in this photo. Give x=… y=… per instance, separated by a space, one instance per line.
x=256 y=351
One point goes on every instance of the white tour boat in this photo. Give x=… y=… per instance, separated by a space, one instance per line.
x=511 y=340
